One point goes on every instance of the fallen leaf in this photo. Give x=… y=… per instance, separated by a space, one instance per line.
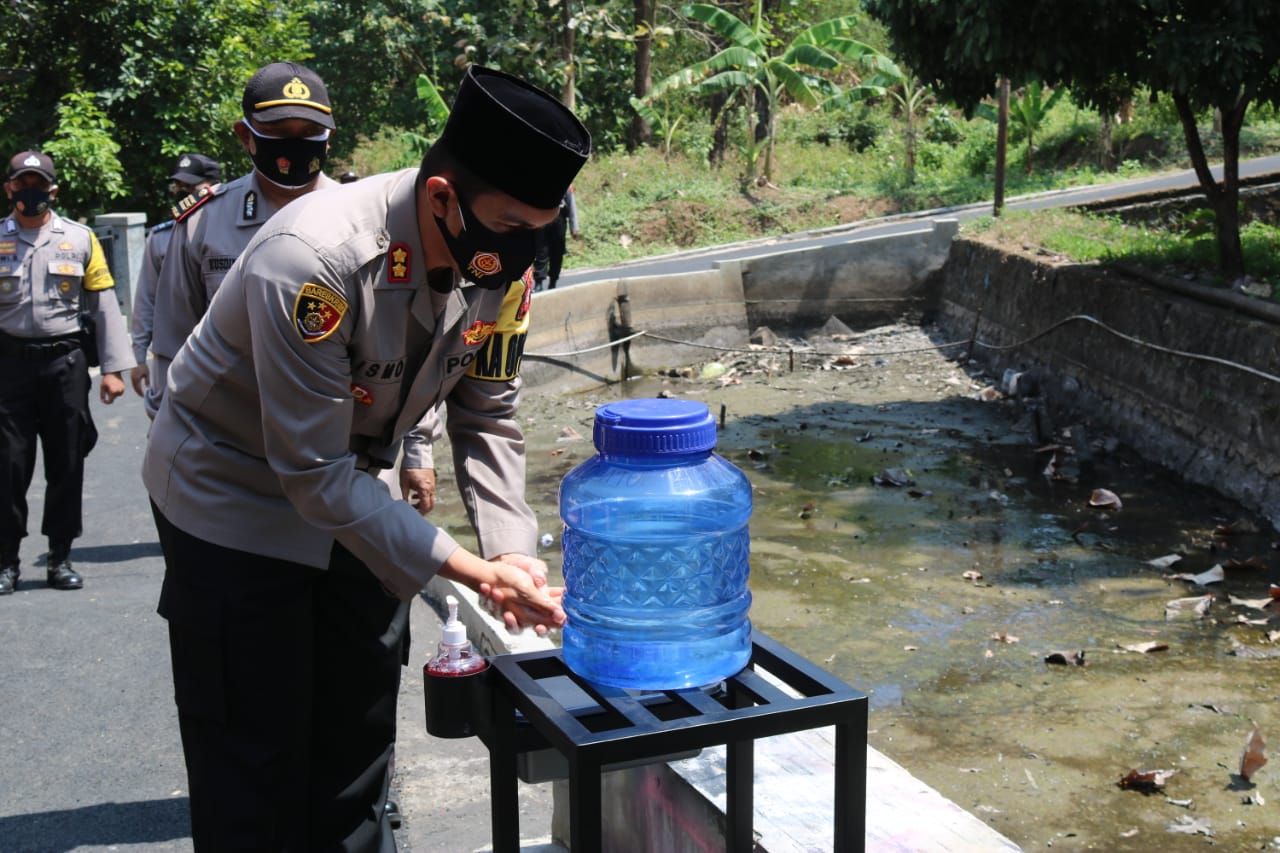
x=1146 y=648
x=972 y=575
x=1164 y=562
x=1214 y=575
x=1254 y=756
x=893 y=477
x=1146 y=781
x=806 y=511
x=1254 y=562
x=1275 y=591
x=988 y=394
x=557 y=451
x=1065 y=658
x=1196 y=606
x=1189 y=825
x=1129 y=833
x=910 y=648
x=1241 y=619
x=1186 y=804
x=1240 y=525
x=1005 y=637
x=1104 y=499
x=1255 y=603
x=569 y=434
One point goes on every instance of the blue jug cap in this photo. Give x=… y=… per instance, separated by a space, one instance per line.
x=654 y=426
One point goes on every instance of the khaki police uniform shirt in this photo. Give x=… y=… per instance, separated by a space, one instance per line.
x=205 y=243
x=48 y=276
x=321 y=351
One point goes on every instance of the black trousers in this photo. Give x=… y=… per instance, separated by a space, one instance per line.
x=46 y=400
x=286 y=679
x=550 y=246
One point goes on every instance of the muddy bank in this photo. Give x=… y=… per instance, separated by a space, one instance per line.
x=870 y=580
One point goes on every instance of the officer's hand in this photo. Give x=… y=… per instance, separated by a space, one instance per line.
x=535 y=567
x=112 y=387
x=418 y=487
x=523 y=602
x=140 y=376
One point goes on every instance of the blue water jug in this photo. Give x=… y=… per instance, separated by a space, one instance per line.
x=656 y=551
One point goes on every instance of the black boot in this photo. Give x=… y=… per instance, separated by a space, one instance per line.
x=60 y=574
x=9 y=575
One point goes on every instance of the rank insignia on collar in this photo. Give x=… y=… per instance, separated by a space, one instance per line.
x=399 y=259
x=251 y=205
x=317 y=312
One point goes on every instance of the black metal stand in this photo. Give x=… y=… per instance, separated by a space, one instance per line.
x=621 y=726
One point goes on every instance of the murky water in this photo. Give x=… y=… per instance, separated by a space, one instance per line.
x=870 y=581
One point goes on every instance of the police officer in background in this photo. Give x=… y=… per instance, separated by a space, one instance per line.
x=289 y=566
x=193 y=176
x=52 y=271
x=285 y=129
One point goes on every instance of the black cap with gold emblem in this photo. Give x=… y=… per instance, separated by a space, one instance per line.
x=516 y=137
x=287 y=90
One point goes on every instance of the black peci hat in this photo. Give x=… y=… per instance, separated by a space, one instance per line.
x=284 y=90
x=196 y=169
x=515 y=137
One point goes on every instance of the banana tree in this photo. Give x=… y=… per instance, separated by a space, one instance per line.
x=1027 y=112
x=745 y=71
x=899 y=85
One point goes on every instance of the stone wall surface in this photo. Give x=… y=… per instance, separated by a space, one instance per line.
x=1212 y=421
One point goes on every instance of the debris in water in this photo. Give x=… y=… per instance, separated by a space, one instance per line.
x=1189 y=825
x=1165 y=561
x=1065 y=658
x=1146 y=648
x=1214 y=575
x=1145 y=781
x=1105 y=499
x=1254 y=756
x=1196 y=606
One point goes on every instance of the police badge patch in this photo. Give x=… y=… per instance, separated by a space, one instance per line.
x=317 y=312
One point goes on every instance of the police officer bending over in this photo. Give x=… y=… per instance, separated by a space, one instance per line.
x=289 y=565
x=51 y=271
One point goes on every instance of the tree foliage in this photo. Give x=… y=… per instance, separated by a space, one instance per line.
x=1205 y=54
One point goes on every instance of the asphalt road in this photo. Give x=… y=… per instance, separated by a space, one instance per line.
x=703 y=259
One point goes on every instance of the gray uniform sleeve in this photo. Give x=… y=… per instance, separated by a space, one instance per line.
x=307 y=408
x=100 y=300
x=489 y=464
x=144 y=299
x=180 y=302
x=419 y=443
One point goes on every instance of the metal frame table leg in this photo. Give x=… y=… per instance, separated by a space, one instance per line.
x=504 y=794
x=586 y=828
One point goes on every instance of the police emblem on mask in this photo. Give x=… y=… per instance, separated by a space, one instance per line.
x=485 y=264
x=283 y=164
x=317 y=312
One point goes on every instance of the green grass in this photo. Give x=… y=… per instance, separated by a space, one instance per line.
x=836 y=169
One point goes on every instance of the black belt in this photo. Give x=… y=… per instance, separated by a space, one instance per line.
x=38 y=349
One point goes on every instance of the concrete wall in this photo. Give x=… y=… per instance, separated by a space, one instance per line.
x=864 y=282
x=1213 y=423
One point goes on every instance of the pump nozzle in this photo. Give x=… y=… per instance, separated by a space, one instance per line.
x=455 y=633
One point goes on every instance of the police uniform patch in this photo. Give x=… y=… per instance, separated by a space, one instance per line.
x=478 y=332
x=66 y=269
x=6 y=286
x=184 y=207
x=8 y=247
x=64 y=286
x=317 y=312
x=66 y=247
x=362 y=395
x=250 y=209
x=399 y=259
x=527 y=299
x=484 y=264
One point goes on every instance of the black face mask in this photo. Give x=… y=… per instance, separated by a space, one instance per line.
x=32 y=201
x=291 y=161
x=487 y=258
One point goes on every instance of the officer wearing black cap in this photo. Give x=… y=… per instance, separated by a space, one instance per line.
x=193 y=176
x=52 y=271
x=285 y=127
x=351 y=314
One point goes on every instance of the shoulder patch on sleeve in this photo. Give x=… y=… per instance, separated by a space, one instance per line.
x=188 y=205
x=499 y=356
x=317 y=312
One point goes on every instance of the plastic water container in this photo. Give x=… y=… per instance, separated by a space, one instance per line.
x=656 y=551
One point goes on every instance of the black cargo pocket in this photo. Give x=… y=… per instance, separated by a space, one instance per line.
x=88 y=433
x=196 y=649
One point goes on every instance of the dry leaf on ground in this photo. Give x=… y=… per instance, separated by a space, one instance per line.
x=1146 y=648
x=1254 y=756
x=1105 y=499
x=1146 y=781
x=1195 y=607
x=1214 y=575
x=1165 y=561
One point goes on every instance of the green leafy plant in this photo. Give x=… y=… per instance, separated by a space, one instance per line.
x=1028 y=110
x=85 y=152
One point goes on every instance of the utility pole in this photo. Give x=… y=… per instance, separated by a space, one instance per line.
x=1002 y=142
